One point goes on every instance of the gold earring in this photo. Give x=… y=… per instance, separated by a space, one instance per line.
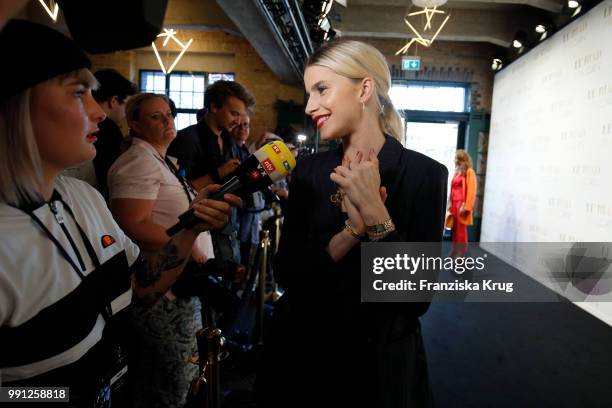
x=362 y=106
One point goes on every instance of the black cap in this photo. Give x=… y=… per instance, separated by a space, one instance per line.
x=33 y=53
x=112 y=83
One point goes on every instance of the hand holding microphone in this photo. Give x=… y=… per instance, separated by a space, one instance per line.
x=270 y=163
x=228 y=167
x=212 y=214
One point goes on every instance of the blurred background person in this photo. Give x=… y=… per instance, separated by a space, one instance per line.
x=146 y=197
x=204 y=151
x=249 y=217
x=112 y=94
x=461 y=202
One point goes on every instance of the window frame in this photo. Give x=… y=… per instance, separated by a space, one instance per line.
x=438 y=84
x=205 y=74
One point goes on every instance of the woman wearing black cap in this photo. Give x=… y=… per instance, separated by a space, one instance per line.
x=67 y=271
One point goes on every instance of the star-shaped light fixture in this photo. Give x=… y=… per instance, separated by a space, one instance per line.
x=52 y=9
x=170 y=34
x=430 y=10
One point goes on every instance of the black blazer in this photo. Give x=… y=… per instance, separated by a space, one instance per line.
x=321 y=313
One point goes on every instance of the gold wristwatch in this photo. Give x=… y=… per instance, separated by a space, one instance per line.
x=379 y=231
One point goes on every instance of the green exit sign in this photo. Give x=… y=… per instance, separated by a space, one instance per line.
x=411 y=63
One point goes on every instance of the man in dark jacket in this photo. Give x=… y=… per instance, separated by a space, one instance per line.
x=204 y=150
x=111 y=95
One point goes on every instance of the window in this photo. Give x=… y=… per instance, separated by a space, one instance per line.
x=429 y=97
x=212 y=78
x=186 y=90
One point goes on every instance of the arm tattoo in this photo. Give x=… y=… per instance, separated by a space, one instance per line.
x=148 y=299
x=149 y=272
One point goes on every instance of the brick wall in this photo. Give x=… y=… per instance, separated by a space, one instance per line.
x=448 y=61
x=221 y=52
x=215 y=51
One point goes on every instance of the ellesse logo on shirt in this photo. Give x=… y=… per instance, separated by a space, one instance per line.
x=107 y=241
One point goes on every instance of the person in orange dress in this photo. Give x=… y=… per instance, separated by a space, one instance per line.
x=461 y=201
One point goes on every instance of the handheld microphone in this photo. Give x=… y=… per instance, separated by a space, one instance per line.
x=270 y=163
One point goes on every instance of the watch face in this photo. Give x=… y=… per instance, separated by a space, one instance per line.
x=386 y=226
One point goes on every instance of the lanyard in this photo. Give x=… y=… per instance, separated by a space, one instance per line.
x=180 y=175
x=79 y=269
x=190 y=192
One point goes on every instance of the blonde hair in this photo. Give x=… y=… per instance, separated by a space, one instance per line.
x=463 y=160
x=20 y=165
x=357 y=60
x=21 y=172
x=133 y=105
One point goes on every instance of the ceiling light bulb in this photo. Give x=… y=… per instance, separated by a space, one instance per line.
x=497 y=64
x=540 y=29
x=517 y=44
x=572 y=4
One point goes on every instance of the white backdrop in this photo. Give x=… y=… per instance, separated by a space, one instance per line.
x=549 y=175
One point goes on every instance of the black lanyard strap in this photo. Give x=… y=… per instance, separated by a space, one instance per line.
x=107 y=312
x=187 y=187
x=61 y=249
x=88 y=246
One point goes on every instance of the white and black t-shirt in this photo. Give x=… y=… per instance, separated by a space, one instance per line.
x=49 y=316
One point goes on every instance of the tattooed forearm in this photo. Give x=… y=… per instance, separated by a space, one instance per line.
x=147 y=299
x=150 y=270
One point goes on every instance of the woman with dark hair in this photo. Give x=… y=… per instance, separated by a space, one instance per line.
x=326 y=347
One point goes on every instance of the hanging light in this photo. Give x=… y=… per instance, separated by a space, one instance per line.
x=573 y=4
x=497 y=64
x=324 y=24
x=52 y=9
x=430 y=10
x=170 y=34
x=326 y=7
x=520 y=40
x=542 y=30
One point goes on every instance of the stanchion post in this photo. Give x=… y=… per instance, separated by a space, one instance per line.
x=210 y=341
x=278 y=213
x=261 y=299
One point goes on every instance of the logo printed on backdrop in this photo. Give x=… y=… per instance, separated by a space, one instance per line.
x=575 y=31
x=599 y=92
x=587 y=59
